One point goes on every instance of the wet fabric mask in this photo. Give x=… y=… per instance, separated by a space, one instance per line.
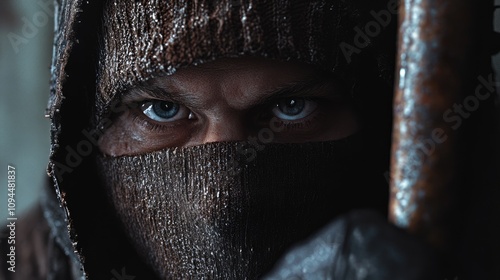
x=213 y=211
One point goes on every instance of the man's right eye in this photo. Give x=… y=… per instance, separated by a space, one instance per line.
x=165 y=111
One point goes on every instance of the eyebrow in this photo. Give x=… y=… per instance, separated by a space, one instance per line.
x=309 y=88
x=305 y=88
x=151 y=91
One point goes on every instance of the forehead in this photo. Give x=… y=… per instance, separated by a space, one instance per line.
x=249 y=70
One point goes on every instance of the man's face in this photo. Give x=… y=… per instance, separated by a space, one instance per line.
x=229 y=100
x=210 y=209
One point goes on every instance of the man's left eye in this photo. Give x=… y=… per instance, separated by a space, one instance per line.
x=164 y=111
x=292 y=109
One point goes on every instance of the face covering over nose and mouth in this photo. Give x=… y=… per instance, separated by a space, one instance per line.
x=205 y=212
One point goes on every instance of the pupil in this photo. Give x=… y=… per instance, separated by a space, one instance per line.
x=292 y=107
x=165 y=109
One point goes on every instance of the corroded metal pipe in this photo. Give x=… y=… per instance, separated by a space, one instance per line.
x=433 y=62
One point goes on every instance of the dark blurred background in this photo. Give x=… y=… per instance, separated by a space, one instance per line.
x=26 y=31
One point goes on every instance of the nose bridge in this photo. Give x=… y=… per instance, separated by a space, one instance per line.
x=228 y=127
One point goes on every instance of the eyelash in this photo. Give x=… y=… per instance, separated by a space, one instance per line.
x=296 y=125
x=139 y=118
x=267 y=114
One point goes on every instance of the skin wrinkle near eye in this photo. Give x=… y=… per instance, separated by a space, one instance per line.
x=315 y=88
x=242 y=79
x=231 y=104
x=304 y=88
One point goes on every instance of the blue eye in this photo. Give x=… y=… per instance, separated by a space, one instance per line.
x=164 y=111
x=294 y=108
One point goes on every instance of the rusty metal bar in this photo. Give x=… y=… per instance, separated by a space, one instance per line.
x=433 y=61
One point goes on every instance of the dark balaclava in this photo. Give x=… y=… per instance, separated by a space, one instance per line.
x=224 y=210
x=205 y=211
x=212 y=211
